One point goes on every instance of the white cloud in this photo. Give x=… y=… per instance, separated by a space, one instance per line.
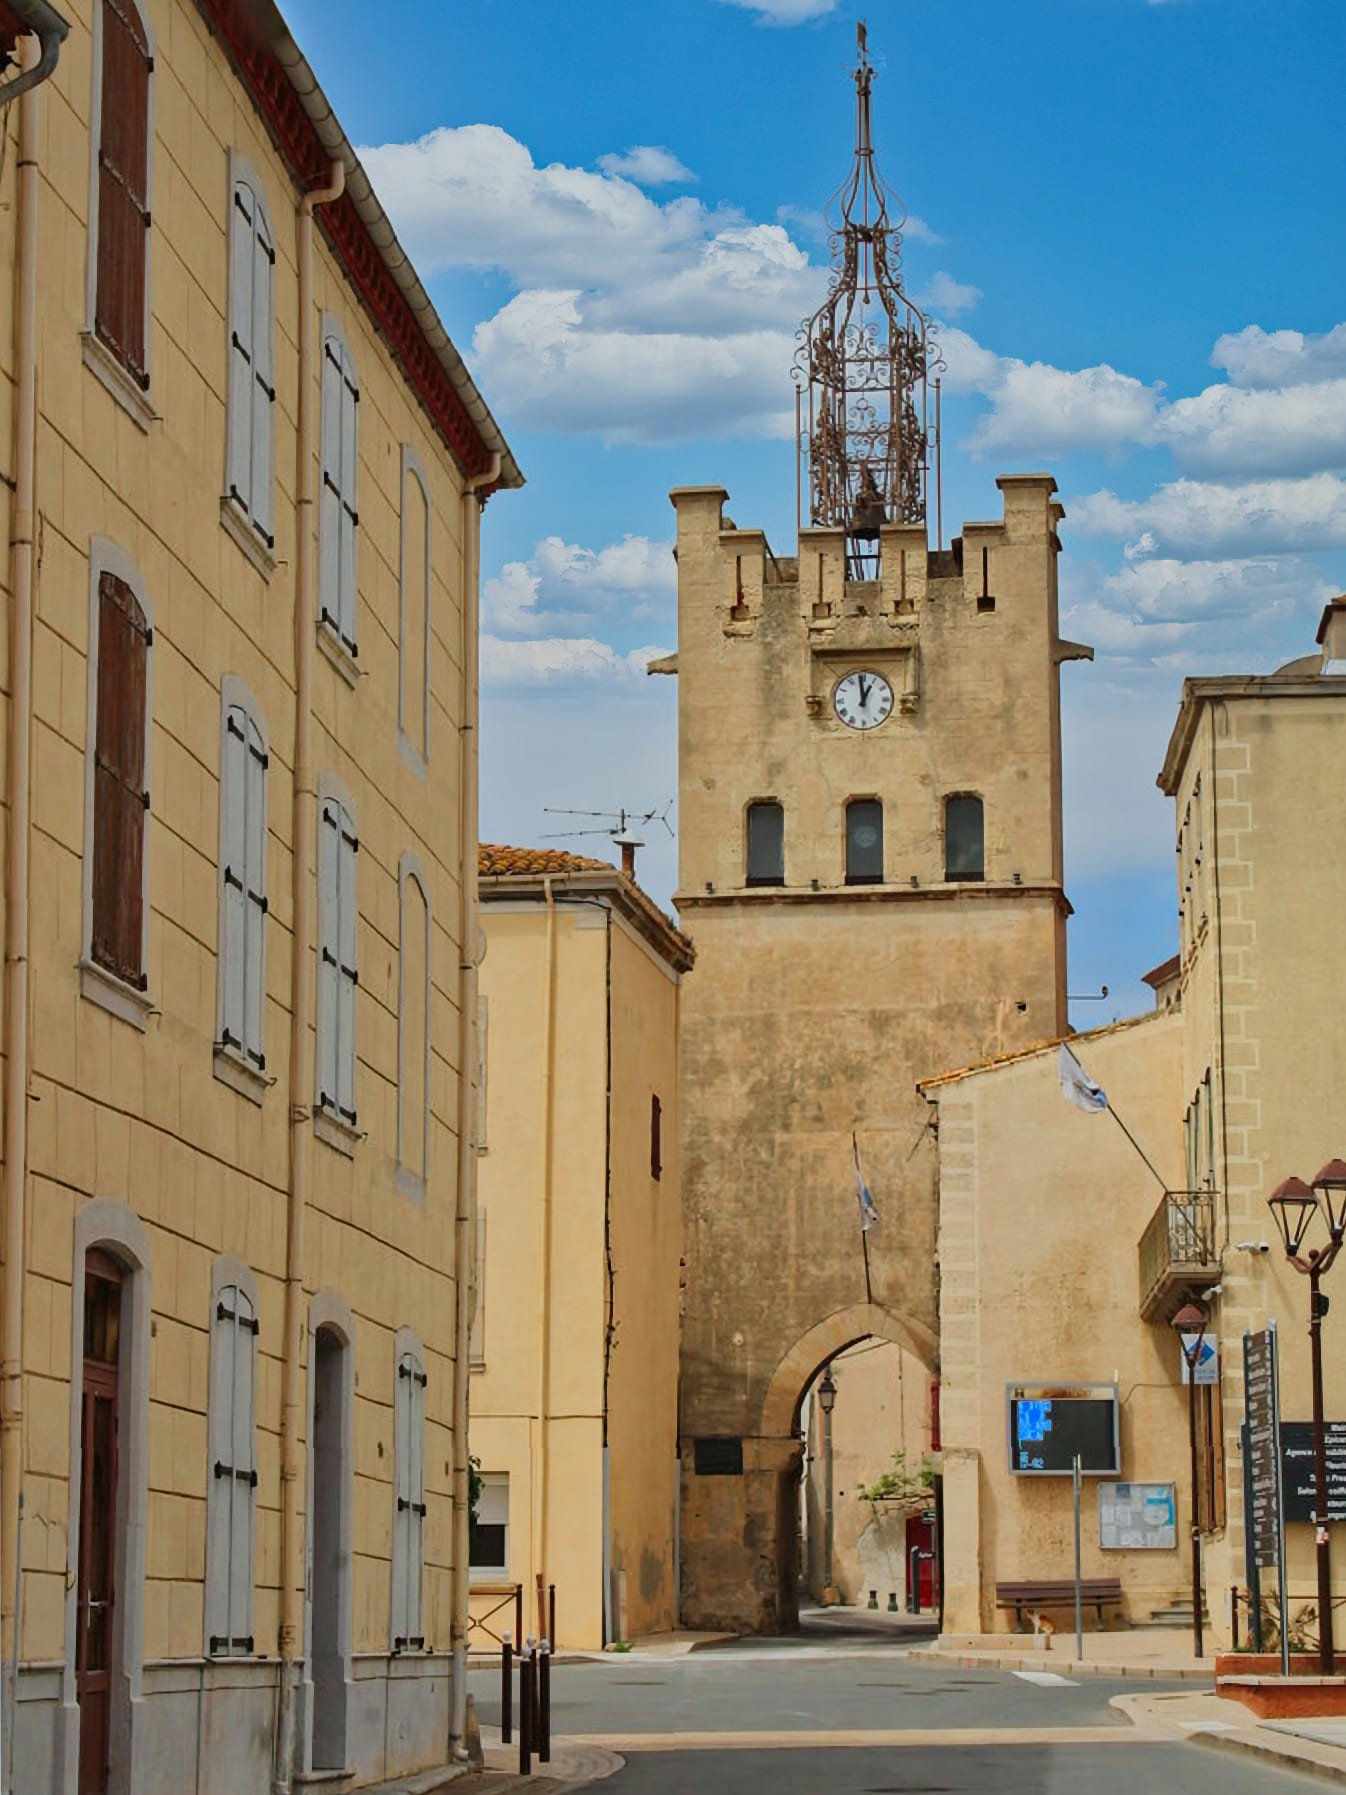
x=1039 y=409
x=785 y=12
x=1275 y=358
x=648 y=165
x=560 y=661
x=563 y=583
x=1236 y=431
x=949 y=297
x=1193 y=518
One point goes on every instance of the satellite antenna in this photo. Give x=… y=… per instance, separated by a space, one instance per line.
x=623 y=827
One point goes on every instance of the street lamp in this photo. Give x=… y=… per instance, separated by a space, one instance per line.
x=1294 y=1205
x=1190 y=1324
x=827 y=1401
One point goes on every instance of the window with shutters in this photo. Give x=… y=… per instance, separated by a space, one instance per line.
x=231 y=1505
x=338 y=976
x=250 y=429
x=241 y=964
x=119 y=205
x=414 y=623
x=338 y=513
x=117 y=786
x=413 y=1030
x=488 y=1534
x=408 y=1558
x=964 y=838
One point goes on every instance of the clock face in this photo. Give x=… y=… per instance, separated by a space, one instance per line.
x=863 y=699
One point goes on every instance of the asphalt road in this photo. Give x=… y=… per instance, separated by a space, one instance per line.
x=722 y=1722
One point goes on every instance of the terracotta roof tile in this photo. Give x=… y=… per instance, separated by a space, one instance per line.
x=494 y=860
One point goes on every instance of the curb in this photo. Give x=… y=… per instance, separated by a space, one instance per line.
x=1153 y=1673
x=1250 y=1742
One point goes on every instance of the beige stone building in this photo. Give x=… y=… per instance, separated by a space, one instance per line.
x=575 y=1347
x=1063 y=1256
x=247 y=471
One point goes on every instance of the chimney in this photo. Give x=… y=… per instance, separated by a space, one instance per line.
x=628 y=841
x=1332 y=637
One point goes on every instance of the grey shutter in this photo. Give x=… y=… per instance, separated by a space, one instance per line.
x=348 y=977
x=416 y=1481
x=220 y=1433
x=402 y=1412
x=329 y=838
x=233 y=875
x=255 y=906
x=238 y=477
x=263 y=383
x=233 y=1476
x=244 y=1478
x=329 y=503
x=349 y=513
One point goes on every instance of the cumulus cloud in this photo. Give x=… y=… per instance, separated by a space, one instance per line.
x=562 y=583
x=785 y=12
x=1193 y=518
x=947 y=296
x=1231 y=430
x=648 y=165
x=1278 y=358
x=560 y=661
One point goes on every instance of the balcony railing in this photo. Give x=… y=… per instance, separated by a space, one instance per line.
x=1177 y=1252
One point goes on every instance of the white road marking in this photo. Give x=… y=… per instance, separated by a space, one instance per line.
x=1048 y=1679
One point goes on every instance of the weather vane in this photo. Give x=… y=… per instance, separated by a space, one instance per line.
x=865 y=358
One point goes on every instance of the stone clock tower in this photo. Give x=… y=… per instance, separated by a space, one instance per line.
x=870 y=829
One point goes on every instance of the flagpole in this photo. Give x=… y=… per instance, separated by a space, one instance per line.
x=1136 y=1144
x=864 y=1229
x=864 y=1242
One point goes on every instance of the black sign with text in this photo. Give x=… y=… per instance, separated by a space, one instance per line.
x=1298 y=1462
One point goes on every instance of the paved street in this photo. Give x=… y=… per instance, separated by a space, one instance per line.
x=853 y=1717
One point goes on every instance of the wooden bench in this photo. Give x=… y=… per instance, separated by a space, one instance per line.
x=1057 y=1593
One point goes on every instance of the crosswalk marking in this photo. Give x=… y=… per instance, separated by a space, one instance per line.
x=1048 y=1679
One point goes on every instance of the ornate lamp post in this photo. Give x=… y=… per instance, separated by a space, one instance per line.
x=827 y=1401
x=1190 y=1323
x=1294 y=1205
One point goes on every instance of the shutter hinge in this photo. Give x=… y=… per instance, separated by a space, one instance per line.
x=149 y=637
x=264 y=905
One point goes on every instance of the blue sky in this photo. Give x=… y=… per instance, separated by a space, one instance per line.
x=1126 y=221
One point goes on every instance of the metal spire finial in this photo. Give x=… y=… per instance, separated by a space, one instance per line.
x=865 y=356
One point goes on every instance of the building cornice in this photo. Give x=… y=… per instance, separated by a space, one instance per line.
x=1198 y=692
x=308 y=137
x=978 y=891
x=625 y=896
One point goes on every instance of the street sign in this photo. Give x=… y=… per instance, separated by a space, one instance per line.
x=1260 y=1384
x=1298 y=1470
x=1207 y=1359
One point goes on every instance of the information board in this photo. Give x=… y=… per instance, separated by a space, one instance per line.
x=1137 y=1517
x=1050 y=1425
x=1297 y=1467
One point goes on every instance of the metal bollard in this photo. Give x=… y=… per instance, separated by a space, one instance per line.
x=518 y=1614
x=544 y=1703
x=551 y=1617
x=526 y=1710
x=506 y=1690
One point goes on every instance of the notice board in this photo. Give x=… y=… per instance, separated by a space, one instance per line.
x=1137 y=1517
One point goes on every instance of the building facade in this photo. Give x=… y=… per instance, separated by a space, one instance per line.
x=575 y=1344
x=240 y=874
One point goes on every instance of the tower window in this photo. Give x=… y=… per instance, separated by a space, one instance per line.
x=864 y=842
x=766 y=844
x=964 y=838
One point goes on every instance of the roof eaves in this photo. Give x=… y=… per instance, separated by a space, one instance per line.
x=639 y=909
x=999 y=1060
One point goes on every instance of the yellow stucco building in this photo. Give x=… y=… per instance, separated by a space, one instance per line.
x=239 y=888
x=575 y=1347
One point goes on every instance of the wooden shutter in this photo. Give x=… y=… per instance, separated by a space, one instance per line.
x=123 y=187
x=348 y=977
x=329 y=839
x=234 y=877
x=242 y=227
x=415 y=644
x=254 y=896
x=338 y=514
x=409 y=1511
x=263 y=383
x=233 y=1492
x=121 y=799
x=350 y=399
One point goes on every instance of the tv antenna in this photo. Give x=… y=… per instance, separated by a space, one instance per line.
x=620 y=826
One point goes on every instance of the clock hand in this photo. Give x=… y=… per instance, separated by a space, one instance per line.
x=864 y=691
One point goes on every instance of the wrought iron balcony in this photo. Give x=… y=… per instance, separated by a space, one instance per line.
x=1178 y=1258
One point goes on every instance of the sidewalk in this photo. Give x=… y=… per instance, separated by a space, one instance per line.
x=1313 y=1747
x=1159 y=1653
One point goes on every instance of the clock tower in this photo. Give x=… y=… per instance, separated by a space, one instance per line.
x=870 y=866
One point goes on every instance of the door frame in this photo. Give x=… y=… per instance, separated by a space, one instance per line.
x=106 y=1225
x=329 y=1311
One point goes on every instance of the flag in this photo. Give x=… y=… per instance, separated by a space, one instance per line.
x=1076 y=1085
x=869 y=1215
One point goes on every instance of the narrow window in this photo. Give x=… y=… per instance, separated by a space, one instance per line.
x=488 y=1531
x=243 y=904
x=232 y=1490
x=408 y=1564
x=964 y=837
x=414 y=657
x=122 y=187
x=120 y=795
x=252 y=379
x=413 y=1031
x=477 y=1350
x=766 y=844
x=339 y=515
x=656 y=1138
x=338 y=977
x=864 y=842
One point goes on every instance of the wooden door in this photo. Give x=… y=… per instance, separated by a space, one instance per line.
x=96 y=1609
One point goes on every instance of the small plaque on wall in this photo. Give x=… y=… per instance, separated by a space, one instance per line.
x=719 y=1455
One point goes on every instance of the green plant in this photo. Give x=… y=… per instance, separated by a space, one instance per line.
x=474 y=1487
x=901 y=1484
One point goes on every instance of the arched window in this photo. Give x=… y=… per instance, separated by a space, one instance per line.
x=964 y=838
x=249 y=454
x=339 y=512
x=243 y=902
x=338 y=975
x=120 y=220
x=864 y=842
x=408 y=1555
x=414 y=645
x=231 y=1506
x=766 y=844
x=413 y=1031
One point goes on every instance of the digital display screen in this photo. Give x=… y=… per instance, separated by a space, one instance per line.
x=1049 y=1429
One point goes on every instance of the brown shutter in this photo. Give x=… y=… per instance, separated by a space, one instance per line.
x=123 y=188
x=120 y=799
